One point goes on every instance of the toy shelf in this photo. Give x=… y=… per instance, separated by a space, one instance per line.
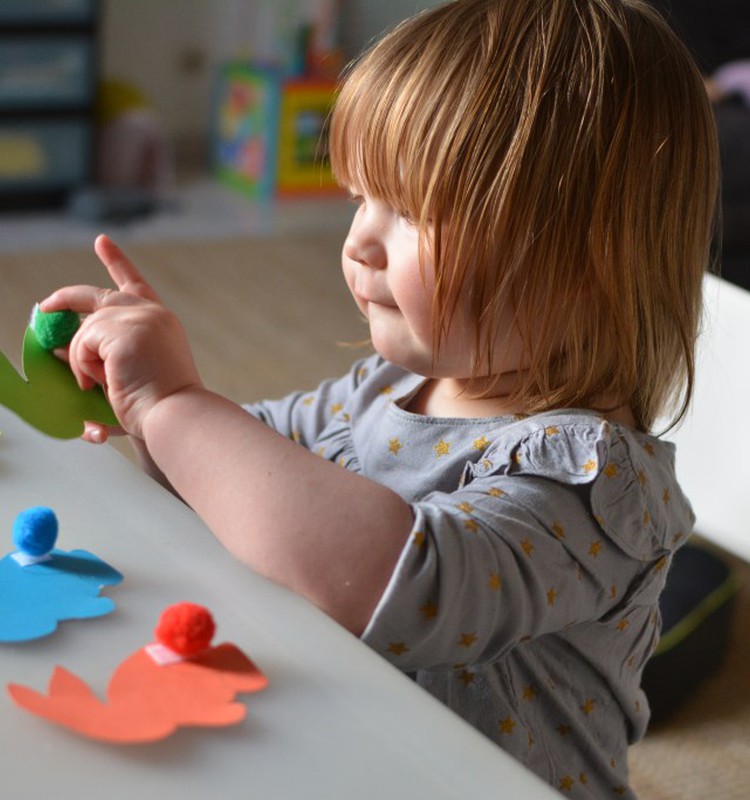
x=48 y=68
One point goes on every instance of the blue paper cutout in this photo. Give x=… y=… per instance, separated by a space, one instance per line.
x=34 y=598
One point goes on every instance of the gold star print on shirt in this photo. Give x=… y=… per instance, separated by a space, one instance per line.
x=524 y=530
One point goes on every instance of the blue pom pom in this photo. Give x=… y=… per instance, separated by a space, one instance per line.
x=35 y=530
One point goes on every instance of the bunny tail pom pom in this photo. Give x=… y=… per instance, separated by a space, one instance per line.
x=185 y=628
x=54 y=329
x=35 y=531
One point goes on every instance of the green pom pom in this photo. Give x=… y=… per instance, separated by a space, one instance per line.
x=56 y=328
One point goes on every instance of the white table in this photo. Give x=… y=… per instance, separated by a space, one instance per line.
x=713 y=443
x=336 y=723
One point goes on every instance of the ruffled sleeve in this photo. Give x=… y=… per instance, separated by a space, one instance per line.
x=302 y=416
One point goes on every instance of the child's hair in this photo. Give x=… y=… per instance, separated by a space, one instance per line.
x=562 y=155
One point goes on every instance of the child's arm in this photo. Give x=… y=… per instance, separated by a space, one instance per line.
x=149 y=466
x=329 y=534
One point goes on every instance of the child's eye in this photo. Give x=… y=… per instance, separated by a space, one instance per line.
x=357 y=199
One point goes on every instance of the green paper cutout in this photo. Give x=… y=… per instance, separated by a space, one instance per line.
x=48 y=398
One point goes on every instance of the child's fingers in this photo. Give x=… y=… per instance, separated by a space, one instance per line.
x=86 y=362
x=87 y=354
x=62 y=354
x=95 y=433
x=88 y=299
x=121 y=269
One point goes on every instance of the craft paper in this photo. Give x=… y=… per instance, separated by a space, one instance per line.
x=48 y=397
x=147 y=701
x=34 y=598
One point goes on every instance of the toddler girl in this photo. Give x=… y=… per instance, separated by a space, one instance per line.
x=535 y=184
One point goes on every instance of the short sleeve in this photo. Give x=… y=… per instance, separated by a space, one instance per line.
x=512 y=555
x=302 y=416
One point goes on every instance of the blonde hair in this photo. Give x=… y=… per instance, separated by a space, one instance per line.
x=562 y=155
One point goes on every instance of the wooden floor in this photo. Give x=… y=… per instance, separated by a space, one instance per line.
x=266 y=317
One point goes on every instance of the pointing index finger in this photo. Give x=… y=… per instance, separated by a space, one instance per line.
x=121 y=269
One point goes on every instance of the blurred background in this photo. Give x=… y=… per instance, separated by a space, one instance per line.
x=201 y=115
x=718 y=35
x=143 y=112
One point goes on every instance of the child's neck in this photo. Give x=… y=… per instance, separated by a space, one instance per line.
x=447 y=397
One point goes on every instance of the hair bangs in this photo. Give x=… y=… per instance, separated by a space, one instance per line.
x=393 y=123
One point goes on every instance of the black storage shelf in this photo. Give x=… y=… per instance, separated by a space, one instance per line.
x=48 y=79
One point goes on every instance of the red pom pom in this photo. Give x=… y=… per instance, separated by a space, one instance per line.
x=186 y=628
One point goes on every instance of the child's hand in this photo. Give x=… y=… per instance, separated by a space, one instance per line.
x=129 y=343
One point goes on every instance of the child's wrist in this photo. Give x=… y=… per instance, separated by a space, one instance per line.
x=171 y=411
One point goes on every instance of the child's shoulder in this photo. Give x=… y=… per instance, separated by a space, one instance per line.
x=573 y=446
x=629 y=475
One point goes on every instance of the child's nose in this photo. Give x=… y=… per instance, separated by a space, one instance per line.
x=365 y=247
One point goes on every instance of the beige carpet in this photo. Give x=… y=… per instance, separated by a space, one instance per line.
x=703 y=752
x=266 y=317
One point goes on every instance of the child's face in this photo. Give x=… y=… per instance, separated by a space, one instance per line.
x=381 y=262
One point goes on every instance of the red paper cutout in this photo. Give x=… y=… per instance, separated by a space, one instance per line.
x=146 y=701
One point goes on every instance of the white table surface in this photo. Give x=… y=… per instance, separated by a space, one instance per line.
x=337 y=721
x=713 y=442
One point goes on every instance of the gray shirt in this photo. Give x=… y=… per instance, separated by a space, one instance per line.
x=526 y=596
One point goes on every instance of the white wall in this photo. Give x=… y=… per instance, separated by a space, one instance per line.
x=163 y=48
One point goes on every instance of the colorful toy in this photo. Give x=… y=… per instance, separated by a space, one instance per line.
x=41 y=586
x=149 y=698
x=46 y=395
x=269 y=138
